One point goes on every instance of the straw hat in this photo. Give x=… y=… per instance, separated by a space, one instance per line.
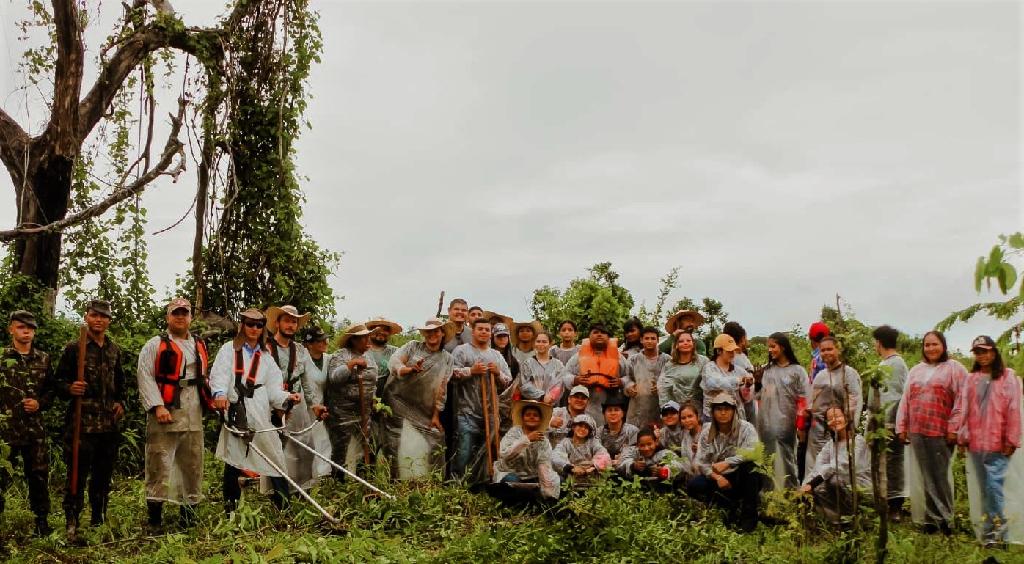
x=675 y=320
x=447 y=329
x=545 y=412
x=490 y=316
x=537 y=327
x=380 y=321
x=274 y=312
x=352 y=331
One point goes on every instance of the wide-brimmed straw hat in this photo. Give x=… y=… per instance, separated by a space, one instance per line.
x=537 y=327
x=274 y=312
x=545 y=412
x=447 y=329
x=491 y=316
x=352 y=331
x=378 y=322
x=675 y=320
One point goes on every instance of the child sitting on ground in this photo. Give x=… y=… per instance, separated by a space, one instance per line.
x=648 y=459
x=524 y=455
x=616 y=436
x=581 y=454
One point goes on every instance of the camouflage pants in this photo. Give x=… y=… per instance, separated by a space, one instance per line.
x=97 y=456
x=36 y=465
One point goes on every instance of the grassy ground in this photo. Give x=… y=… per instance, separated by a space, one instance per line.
x=434 y=522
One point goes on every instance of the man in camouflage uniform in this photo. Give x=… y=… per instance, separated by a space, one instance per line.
x=24 y=394
x=102 y=396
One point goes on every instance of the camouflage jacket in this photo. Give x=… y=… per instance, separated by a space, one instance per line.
x=105 y=384
x=21 y=377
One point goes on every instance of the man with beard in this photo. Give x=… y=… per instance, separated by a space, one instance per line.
x=462 y=333
x=600 y=367
x=101 y=394
x=380 y=350
x=171 y=375
x=295 y=363
x=683 y=321
x=25 y=374
x=351 y=384
x=415 y=392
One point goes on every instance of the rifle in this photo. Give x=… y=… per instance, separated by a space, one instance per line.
x=77 y=424
x=440 y=304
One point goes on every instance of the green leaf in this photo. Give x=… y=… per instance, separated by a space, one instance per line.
x=1007 y=277
x=1016 y=240
x=979 y=274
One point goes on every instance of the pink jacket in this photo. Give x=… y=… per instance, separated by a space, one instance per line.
x=996 y=427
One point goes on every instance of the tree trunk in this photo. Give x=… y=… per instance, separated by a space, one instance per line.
x=46 y=200
x=878 y=477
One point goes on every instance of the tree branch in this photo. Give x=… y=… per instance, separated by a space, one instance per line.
x=13 y=140
x=67 y=83
x=172 y=148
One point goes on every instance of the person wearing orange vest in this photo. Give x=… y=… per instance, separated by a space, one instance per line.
x=600 y=367
x=172 y=384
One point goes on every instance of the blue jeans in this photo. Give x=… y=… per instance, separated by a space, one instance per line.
x=469 y=438
x=991 y=472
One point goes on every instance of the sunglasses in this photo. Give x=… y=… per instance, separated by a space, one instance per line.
x=256 y=324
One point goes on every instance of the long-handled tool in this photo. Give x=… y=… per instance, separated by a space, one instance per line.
x=246 y=434
x=328 y=460
x=76 y=433
x=496 y=426
x=364 y=423
x=487 y=426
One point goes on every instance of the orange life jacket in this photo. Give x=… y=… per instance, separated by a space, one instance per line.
x=604 y=366
x=170 y=367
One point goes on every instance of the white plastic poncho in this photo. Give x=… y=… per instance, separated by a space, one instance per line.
x=831 y=387
x=834 y=496
x=541 y=381
x=643 y=374
x=714 y=379
x=681 y=382
x=303 y=467
x=269 y=395
x=412 y=441
x=342 y=397
x=529 y=460
x=782 y=388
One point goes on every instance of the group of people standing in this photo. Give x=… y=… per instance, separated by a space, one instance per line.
x=512 y=407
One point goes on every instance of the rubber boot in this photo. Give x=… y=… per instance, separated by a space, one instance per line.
x=43 y=528
x=99 y=511
x=155 y=516
x=71 y=528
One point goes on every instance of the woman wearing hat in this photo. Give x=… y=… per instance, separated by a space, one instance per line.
x=247 y=383
x=723 y=375
x=726 y=476
x=350 y=397
x=683 y=321
x=416 y=392
x=987 y=422
x=525 y=454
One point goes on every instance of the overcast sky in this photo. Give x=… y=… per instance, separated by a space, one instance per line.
x=778 y=152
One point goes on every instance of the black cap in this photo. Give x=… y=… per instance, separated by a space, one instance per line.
x=101 y=307
x=314 y=335
x=615 y=399
x=25 y=317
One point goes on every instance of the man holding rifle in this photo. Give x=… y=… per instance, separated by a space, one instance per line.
x=24 y=394
x=90 y=374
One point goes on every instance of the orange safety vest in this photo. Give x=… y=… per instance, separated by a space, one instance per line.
x=170 y=367
x=605 y=366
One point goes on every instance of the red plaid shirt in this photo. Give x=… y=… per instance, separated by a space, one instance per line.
x=928 y=398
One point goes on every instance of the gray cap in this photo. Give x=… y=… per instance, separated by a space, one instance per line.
x=25 y=317
x=579 y=389
x=101 y=307
x=670 y=405
x=500 y=329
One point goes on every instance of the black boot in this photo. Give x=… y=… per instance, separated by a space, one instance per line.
x=43 y=528
x=99 y=512
x=71 y=528
x=155 y=517
x=187 y=516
